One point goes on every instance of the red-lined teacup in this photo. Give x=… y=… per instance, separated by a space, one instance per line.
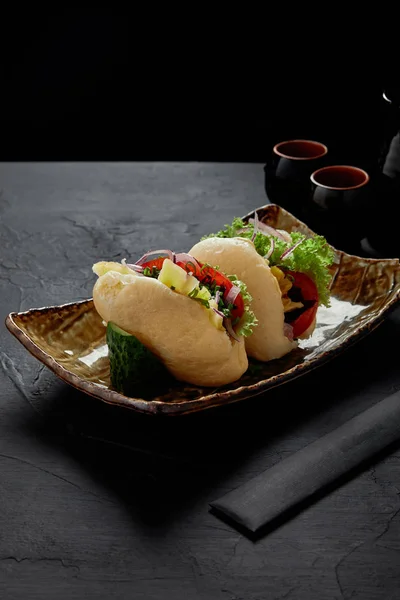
x=300 y=150
x=338 y=204
x=342 y=178
x=288 y=170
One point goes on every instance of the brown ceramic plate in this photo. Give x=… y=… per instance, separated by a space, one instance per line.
x=70 y=339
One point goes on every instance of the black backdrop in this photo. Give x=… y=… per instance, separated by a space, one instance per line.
x=95 y=84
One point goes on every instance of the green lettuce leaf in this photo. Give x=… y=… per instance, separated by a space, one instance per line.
x=313 y=256
x=248 y=320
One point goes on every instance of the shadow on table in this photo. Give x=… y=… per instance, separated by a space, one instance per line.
x=159 y=467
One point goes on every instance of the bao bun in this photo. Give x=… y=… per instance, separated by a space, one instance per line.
x=174 y=327
x=238 y=256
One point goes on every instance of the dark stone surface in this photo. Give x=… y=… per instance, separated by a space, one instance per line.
x=98 y=502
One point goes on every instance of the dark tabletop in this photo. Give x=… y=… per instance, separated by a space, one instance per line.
x=101 y=502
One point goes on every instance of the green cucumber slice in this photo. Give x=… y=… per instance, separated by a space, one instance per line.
x=134 y=369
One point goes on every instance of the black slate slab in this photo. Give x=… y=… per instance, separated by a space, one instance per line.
x=96 y=502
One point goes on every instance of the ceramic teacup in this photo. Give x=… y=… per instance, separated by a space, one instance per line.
x=338 y=204
x=288 y=170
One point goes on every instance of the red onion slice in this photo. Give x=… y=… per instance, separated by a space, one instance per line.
x=217 y=296
x=186 y=258
x=219 y=312
x=288 y=331
x=232 y=295
x=285 y=234
x=155 y=254
x=268 y=230
x=271 y=248
x=134 y=267
x=229 y=329
x=256 y=225
x=289 y=251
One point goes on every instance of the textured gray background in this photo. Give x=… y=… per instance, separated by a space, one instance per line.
x=98 y=502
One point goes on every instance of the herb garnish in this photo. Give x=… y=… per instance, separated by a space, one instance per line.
x=194 y=295
x=151 y=272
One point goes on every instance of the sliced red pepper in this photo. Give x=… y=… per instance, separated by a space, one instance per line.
x=309 y=294
x=206 y=275
x=156 y=262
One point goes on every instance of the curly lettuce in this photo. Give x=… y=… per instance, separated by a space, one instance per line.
x=313 y=256
x=248 y=320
